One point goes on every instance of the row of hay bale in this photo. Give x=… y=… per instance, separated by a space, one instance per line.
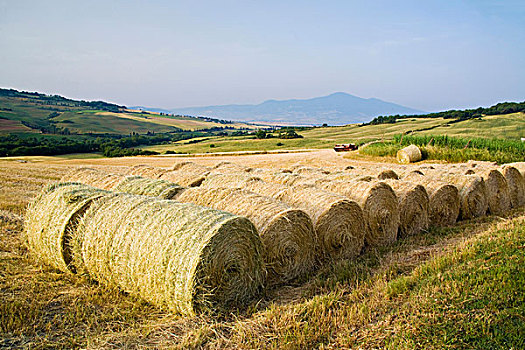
x=180 y=256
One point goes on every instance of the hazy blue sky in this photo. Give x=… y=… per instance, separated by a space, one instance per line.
x=430 y=55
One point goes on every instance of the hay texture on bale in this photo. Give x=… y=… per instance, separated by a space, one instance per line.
x=388 y=174
x=497 y=191
x=444 y=201
x=183 y=257
x=409 y=154
x=379 y=204
x=186 y=176
x=287 y=234
x=310 y=171
x=413 y=207
x=283 y=178
x=190 y=167
x=121 y=183
x=472 y=193
x=516 y=183
x=229 y=180
x=51 y=222
x=338 y=221
x=93 y=177
x=229 y=167
x=148 y=187
x=147 y=171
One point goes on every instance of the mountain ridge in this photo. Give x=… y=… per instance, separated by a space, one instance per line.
x=338 y=108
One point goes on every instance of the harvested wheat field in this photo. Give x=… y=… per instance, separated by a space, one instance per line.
x=292 y=250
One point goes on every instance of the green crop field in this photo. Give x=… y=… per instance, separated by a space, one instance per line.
x=511 y=126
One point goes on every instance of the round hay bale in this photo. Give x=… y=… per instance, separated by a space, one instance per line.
x=178 y=256
x=379 y=204
x=229 y=167
x=282 y=178
x=444 y=201
x=148 y=187
x=388 y=174
x=338 y=221
x=413 y=207
x=51 y=222
x=237 y=180
x=191 y=167
x=497 y=191
x=472 y=193
x=93 y=177
x=520 y=166
x=186 y=176
x=409 y=154
x=516 y=183
x=147 y=171
x=287 y=234
x=310 y=171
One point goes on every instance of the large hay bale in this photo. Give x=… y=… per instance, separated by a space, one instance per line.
x=388 y=174
x=497 y=191
x=148 y=187
x=184 y=257
x=147 y=171
x=516 y=183
x=93 y=177
x=413 y=207
x=190 y=167
x=310 y=171
x=379 y=204
x=520 y=166
x=287 y=234
x=338 y=221
x=282 y=178
x=121 y=183
x=409 y=154
x=51 y=222
x=472 y=192
x=191 y=177
x=444 y=201
x=229 y=167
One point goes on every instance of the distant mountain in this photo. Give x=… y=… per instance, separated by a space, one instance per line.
x=336 y=109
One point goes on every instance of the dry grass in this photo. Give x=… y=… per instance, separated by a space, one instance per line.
x=422 y=292
x=179 y=256
x=287 y=234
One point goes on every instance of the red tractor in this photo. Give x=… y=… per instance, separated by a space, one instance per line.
x=345 y=147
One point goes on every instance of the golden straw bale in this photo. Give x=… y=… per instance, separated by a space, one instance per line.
x=472 y=192
x=520 y=166
x=497 y=190
x=409 y=154
x=444 y=201
x=191 y=167
x=147 y=171
x=179 y=256
x=51 y=222
x=388 y=174
x=93 y=177
x=516 y=183
x=379 y=204
x=413 y=206
x=338 y=221
x=229 y=167
x=287 y=234
x=186 y=176
x=282 y=178
x=121 y=183
x=310 y=171
x=148 y=187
